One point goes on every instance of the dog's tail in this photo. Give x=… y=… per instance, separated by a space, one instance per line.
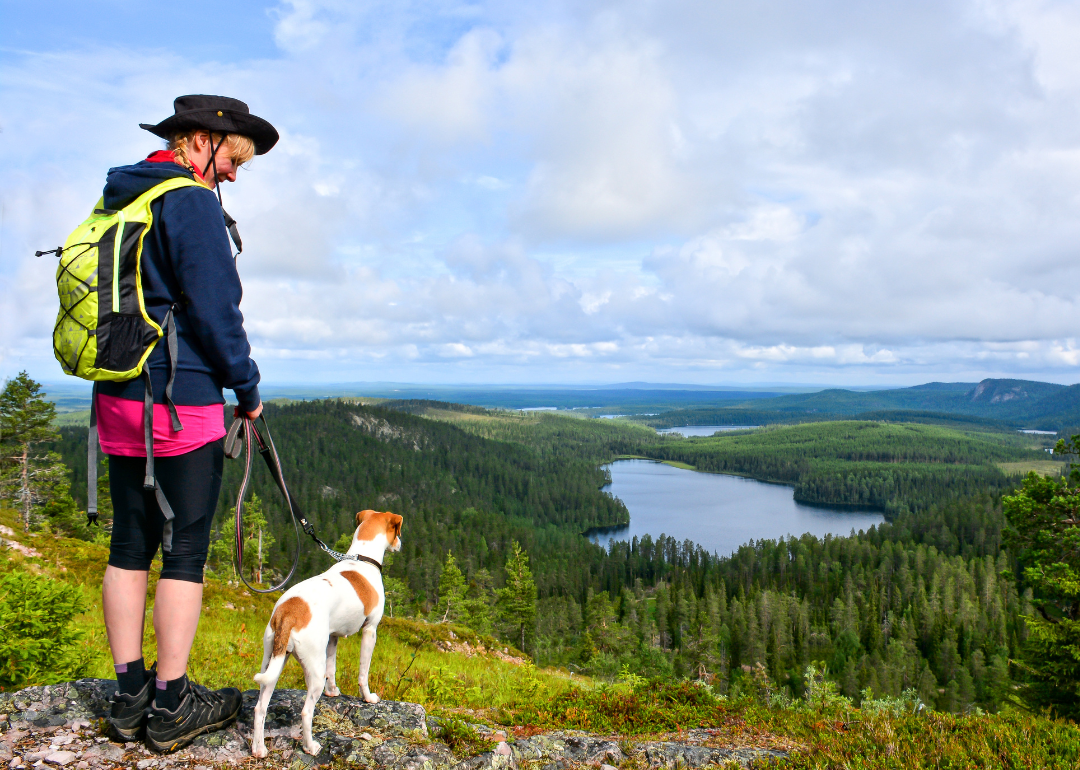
x=268 y=652
x=277 y=639
x=269 y=677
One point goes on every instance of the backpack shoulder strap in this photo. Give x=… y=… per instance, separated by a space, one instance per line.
x=161 y=188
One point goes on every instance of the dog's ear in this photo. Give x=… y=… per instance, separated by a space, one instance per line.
x=362 y=516
x=394 y=525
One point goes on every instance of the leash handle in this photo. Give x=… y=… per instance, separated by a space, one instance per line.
x=241 y=436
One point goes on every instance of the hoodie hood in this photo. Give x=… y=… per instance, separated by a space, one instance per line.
x=126 y=183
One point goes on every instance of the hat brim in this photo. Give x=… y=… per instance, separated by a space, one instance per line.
x=259 y=131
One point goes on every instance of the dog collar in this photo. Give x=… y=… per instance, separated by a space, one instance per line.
x=368 y=559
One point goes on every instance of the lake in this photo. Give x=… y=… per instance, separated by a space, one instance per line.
x=716 y=511
x=703 y=430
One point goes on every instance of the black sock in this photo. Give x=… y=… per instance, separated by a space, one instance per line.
x=169 y=693
x=130 y=677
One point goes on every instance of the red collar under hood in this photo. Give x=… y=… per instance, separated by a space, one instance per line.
x=166 y=156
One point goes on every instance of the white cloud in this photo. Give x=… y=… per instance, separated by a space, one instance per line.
x=685 y=190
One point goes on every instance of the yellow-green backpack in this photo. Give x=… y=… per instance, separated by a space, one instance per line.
x=103 y=331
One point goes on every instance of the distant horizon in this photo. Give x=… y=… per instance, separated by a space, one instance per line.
x=73 y=387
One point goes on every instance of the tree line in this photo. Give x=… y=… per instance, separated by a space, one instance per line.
x=927 y=600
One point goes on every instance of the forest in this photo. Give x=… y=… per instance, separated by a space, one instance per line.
x=921 y=603
x=860 y=463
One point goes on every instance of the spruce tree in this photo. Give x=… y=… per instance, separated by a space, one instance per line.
x=28 y=478
x=257 y=540
x=516 y=604
x=478 y=602
x=452 y=587
x=1044 y=537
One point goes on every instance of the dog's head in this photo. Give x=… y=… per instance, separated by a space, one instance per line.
x=372 y=524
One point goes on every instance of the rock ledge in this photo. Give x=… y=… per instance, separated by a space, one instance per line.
x=60 y=726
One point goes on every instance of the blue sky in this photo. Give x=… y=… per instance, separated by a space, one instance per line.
x=708 y=192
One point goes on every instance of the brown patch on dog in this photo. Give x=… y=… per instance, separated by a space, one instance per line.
x=293 y=615
x=393 y=529
x=362 y=516
x=374 y=523
x=369 y=597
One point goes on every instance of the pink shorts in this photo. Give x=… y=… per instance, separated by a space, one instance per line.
x=120 y=427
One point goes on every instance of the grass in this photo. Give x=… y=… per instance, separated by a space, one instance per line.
x=1043 y=467
x=678 y=464
x=838 y=737
x=436 y=665
x=80 y=418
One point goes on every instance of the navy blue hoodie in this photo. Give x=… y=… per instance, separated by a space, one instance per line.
x=187 y=261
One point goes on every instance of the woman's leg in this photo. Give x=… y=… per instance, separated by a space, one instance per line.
x=135 y=537
x=177 y=605
x=176 y=618
x=191 y=482
x=123 y=598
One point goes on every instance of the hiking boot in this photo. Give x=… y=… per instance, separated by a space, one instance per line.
x=200 y=711
x=127 y=713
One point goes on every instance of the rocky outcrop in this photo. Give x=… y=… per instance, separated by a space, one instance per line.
x=384 y=431
x=62 y=726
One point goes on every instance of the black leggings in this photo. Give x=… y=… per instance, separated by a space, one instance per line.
x=191 y=483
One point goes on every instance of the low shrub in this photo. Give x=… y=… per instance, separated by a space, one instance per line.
x=462 y=738
x=39 y=643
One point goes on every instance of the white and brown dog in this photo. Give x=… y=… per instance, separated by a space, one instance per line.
x=311 y=616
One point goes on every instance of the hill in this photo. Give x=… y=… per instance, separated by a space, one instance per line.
x=470 y=708
x=471 y=483
x=860 y=463
x=1008 y=404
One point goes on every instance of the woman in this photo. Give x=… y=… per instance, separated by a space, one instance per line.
x=187 y=265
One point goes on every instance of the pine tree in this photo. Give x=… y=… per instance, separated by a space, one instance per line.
x=516 y=604
x=452 y=587
x=257 y=540
x=1044 y=536
x=26 y=421
x=478 y=602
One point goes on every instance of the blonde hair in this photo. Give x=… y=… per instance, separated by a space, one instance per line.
x=241 y=148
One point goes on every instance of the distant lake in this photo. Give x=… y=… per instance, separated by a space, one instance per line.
x=703 y=430
x=716 y=511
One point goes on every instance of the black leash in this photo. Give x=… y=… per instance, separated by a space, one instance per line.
x=253 y=436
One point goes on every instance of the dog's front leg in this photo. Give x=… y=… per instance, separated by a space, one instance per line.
x=331 y=668
x=367 y=646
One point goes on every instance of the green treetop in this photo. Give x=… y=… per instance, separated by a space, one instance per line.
x=30 y=479
x=1044 y=538
x=257 y=540
x=516 y=603
x=452 y=587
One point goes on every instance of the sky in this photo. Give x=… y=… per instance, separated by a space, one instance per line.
x=714 y=192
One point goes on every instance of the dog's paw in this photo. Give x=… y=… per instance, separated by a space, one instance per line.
x=314 y=748
x=331 y=692
x=371 y=698
x=259 y=750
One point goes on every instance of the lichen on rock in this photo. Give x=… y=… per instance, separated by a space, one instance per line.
x=62 y=725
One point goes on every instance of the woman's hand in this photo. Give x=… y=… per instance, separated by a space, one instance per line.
x=252 y=415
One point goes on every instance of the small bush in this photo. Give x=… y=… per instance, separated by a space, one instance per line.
x=462 y=738
x=652 y=707
x=38 y=641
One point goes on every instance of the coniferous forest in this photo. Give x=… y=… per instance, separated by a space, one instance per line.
x=926 y=601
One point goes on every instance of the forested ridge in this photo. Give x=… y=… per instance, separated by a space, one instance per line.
x=919 y=602
x=861 y=463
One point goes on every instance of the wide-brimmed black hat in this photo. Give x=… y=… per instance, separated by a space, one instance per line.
x=219 y=114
